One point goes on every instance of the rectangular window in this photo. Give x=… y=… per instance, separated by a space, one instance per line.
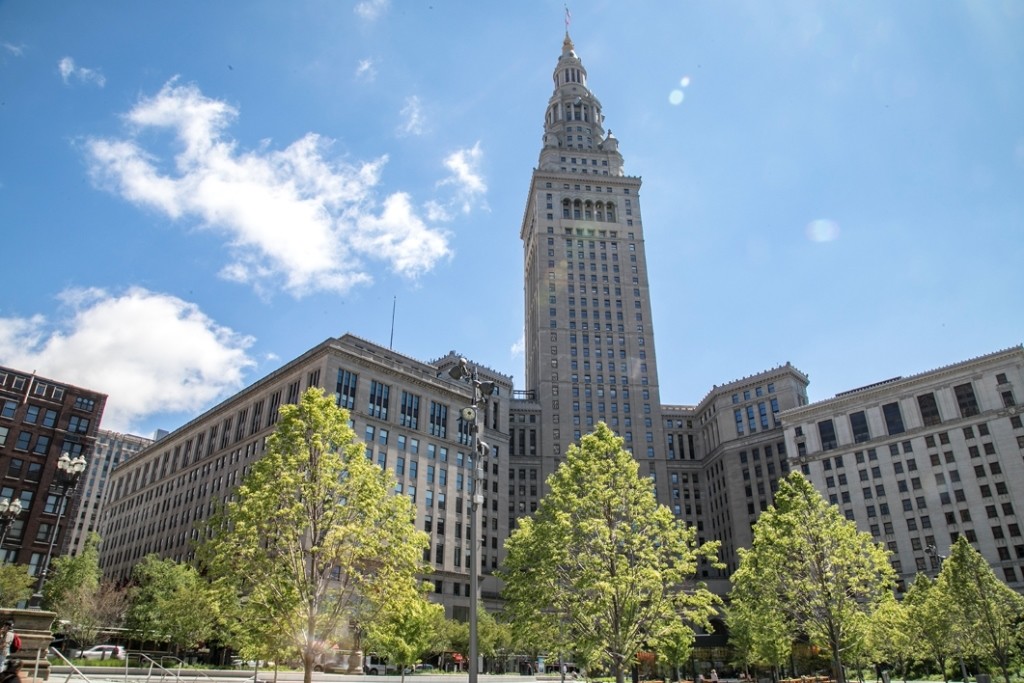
x=966 y=400
x=929 y=409
x=827 y=432
x=346 y=389
x=893 y=418
x=410 y=410
x=859 y=427
x=438 y=420
x=378 y=404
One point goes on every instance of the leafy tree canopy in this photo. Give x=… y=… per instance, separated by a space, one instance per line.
x=989 y=611
x=315 y=537
x=171 y=602
x=602 y=561
x=810 y=565
x=15 y=584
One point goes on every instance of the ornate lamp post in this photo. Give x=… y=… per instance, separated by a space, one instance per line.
x=471 y=415
x=9 y=511
x=69 y=471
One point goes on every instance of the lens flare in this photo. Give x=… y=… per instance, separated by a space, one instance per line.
x=822 y=230
x=675 y=97
x=684 y=81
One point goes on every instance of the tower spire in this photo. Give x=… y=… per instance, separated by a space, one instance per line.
x=573 y=121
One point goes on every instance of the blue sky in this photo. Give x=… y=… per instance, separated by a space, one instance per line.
x=193 y=193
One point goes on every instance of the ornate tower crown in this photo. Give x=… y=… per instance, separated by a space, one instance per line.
x=573 y=122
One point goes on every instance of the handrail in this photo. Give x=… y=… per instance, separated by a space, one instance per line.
x=143 y=658
x=74 y=669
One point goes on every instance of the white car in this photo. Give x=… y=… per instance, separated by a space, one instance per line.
x=100 y=652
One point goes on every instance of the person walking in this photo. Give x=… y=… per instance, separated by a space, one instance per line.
x=714 y=676
x=6 y=638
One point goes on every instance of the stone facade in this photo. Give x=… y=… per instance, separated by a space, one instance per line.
x=110 y=450
x=921 y=460
x=406 y=411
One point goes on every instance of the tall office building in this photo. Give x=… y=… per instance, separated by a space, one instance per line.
x=110 y=450
x=590 y=354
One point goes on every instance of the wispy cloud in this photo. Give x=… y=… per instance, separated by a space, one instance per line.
x=413 y=122
x=371 y=9
x=69 y=72
x=292 y=218
x=366 y=70
x=519 y=347
x=16 y=50
x=149 y=352
x=464 y=174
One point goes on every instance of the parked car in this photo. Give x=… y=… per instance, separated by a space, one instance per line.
x=100 y=652
x=427 y=668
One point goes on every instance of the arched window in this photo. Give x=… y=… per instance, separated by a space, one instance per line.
x=565 y=208
x=577 y=209
x=610 y=211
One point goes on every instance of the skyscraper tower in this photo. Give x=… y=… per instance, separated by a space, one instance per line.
x=589 y=332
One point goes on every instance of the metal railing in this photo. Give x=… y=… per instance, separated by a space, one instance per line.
x=153 y=666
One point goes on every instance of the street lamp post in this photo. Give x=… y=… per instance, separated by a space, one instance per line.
x=69 y=471
x=9 y=511
x=471 y=415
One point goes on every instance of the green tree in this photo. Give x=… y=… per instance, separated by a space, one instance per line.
x=988 y=609
x=930 y=623
x=315 y=537
x=602 y=560
x=814 y=568
x=759 y=632
x=15 y=584
x=674 y=647
x=171 y=602
x=405 y=632
x=889 y=635
x=71 y=590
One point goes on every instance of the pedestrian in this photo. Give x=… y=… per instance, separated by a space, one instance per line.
x=714 y=676
x=11 y=672
x=700 y=678
x=6 y=638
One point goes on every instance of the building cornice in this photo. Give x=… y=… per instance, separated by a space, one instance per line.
x=888 y=388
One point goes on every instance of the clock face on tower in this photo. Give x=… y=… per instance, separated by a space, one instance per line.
x=469 y=414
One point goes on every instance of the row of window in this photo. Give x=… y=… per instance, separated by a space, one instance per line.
x=892 y=415
x=752 y=421
x=758 y=391
x=45 y=417
x=39 y=388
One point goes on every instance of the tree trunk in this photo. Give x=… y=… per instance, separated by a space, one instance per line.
x=837 y=667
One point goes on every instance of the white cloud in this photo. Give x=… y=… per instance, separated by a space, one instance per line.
x=371 y=9
x=465 y=176
x=366 y=70
x=292 y=218
x=68 y=71
x=519 y=347
x=413 y=122
x=16 y=50
x=149 y=352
